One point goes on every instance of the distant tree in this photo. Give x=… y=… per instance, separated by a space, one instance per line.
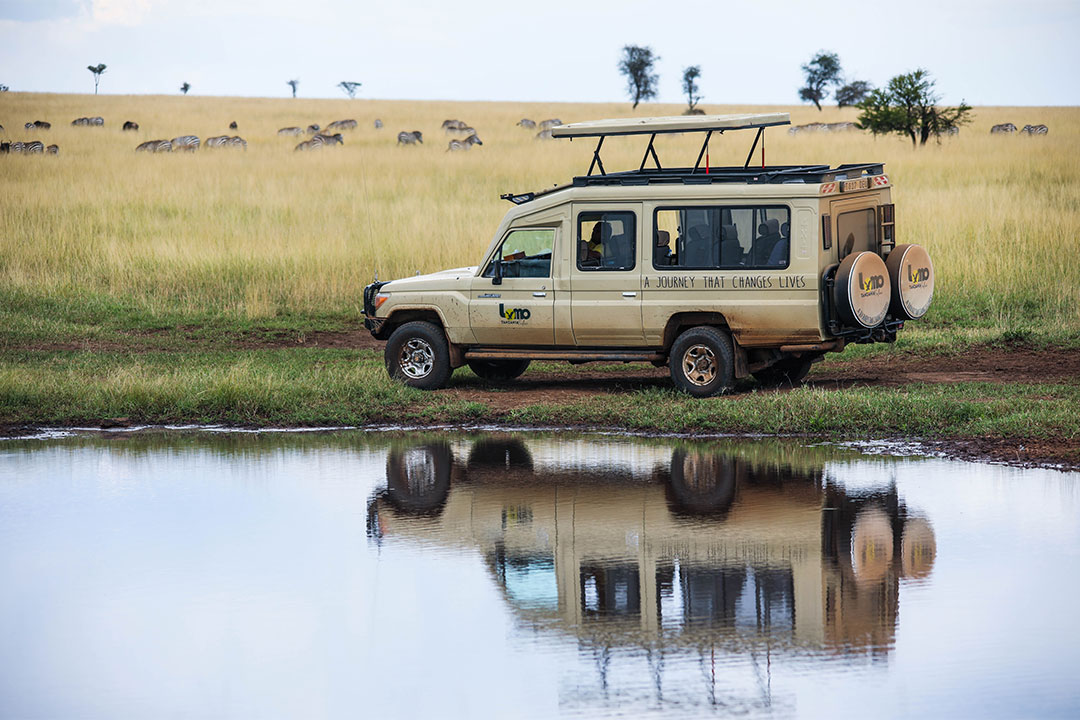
x=185 y=87
x=293 y=83
x=908 y=106
x=637 y=65
x=822 y=72
x=98 y=71
x=853 y=93
x=349 y=88
x=690 y=88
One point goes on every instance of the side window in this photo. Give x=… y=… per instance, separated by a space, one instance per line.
x=606 y=241
x=524 y=254
x=856 y=231
x=721 y=238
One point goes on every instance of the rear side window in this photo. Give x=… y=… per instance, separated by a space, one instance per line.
x=856 y=231
x=606 y=241
x=722 y=238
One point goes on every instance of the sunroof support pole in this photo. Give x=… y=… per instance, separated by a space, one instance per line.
x=701 y=154
x=649 y=150
x=749 y=155
x=596 y=162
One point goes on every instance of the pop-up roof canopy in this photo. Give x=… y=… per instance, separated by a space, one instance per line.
x=671 y=124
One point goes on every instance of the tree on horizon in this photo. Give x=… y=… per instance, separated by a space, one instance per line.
x=98 y=70
x=690 y=88
x=349 y=87
x=908 y=106
x=293 y=84
x=637 y=65
x=821 y=72
x=185 y=87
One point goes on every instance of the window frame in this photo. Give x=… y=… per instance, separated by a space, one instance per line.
x=661 y=208
x=497 y=255
x=600 y=268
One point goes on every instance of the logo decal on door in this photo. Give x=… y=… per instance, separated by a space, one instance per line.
x=513 y=315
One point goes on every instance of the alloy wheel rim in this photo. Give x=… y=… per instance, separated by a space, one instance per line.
x=699 y=365
x=417 y=358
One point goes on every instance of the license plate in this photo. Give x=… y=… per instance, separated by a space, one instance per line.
x=858 y=184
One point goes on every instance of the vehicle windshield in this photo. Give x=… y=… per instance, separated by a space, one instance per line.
x=524 y=254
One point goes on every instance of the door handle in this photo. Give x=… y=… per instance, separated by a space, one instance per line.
x=539 y=294
x=629 y=294
x=490 y=295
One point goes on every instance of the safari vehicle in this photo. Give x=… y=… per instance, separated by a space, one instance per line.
x=717 y=272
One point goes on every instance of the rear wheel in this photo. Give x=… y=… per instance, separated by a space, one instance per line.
x=786 y=373
x=498 y=369
x=418 y=355
x=702 y=362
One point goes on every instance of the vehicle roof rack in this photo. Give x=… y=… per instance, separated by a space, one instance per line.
x=670 y=124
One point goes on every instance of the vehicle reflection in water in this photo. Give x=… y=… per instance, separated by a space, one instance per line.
x=665 y=546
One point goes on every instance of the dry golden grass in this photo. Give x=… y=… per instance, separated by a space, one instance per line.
x=269 y=230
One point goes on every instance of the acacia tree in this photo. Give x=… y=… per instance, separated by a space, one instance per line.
x=853 y=93
x=98 y=70
x=637 y=65
x=908 y=106
x=185 y=87
x=822 y=72
x=690 y=88
x=349 y=88
x=293 y=84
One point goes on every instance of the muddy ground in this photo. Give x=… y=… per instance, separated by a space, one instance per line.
x=980 y=364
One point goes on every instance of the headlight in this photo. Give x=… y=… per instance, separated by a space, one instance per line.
x=380 y=299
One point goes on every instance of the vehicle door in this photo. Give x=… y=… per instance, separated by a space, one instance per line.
x=605 y=275
x=855 y=225
x=513 y=300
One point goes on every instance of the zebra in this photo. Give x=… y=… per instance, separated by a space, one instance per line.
x=237 y=141
x=131 y=125
x=450 y=125
x=952 y=130
x=216 y=141
x=89 y=121
x=34 y=147
x=526 y=124
x=190 y=143
x=155 y=146
x=544 y=134
x=5 y=147
x=313 y=128
x=233 y=125
x=290 y=131
x=38 y=125
x=52 y=150
x=548 y=124
x=410 y=138
x=319 y=139
x=378 y=124
x=465 y=144
x=342 y=125
x=1035 y=129
x=1003 y=128
x=307 y=145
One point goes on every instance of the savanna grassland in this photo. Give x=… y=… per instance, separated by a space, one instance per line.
x=140 y=285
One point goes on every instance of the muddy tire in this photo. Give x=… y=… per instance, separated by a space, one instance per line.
x=786 y=373
x=498 y=370
x=418 y=355
x=702 y=362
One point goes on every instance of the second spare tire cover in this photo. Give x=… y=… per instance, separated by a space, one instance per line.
x=912 y=276
x=862 y=290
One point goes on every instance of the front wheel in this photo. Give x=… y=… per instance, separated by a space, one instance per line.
x=498 y=369
x=702 y=362
x=418 y=355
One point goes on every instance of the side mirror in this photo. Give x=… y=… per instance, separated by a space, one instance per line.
x=498 y=276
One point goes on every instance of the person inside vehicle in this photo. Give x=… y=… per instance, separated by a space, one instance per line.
x=663 y=255
x=592 y=252
x=779 y=254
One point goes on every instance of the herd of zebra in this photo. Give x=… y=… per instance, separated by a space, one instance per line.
x=191 y=143
x=34 y=147
x=1005 y=128
x=322 y=136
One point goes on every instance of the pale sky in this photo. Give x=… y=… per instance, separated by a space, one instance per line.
x=996 y=52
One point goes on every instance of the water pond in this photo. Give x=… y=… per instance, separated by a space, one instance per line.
x=373 y=574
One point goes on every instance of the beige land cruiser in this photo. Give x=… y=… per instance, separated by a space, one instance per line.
x=717 y=272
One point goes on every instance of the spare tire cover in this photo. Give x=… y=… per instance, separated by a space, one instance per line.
x=862 y=291
x=912 y=276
